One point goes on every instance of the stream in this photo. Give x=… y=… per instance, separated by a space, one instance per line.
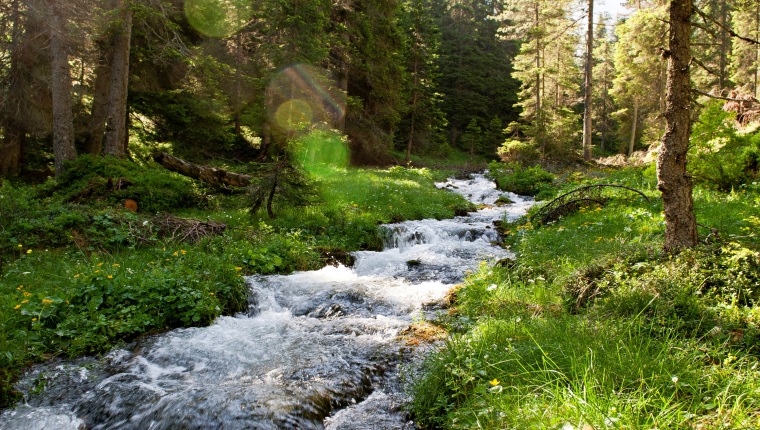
x=316 y=349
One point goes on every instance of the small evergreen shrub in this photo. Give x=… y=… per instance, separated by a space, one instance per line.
x=515 y=178
x=520 y=151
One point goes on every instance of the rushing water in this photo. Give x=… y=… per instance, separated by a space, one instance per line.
x=317 y=349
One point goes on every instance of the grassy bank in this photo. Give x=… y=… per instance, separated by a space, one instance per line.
x=81 y=275
x=593 y=327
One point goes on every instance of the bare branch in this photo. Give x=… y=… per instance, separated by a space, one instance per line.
x=726 y=29
x=731 y=99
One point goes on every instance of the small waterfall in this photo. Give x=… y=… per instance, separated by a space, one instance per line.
x=316 y=350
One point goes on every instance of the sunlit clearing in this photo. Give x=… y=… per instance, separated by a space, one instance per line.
x=299 y=85
x=321 y=152
x=218 y=18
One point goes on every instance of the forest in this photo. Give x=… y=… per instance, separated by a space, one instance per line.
x=157 y=157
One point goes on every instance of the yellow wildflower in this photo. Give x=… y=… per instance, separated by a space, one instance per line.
x=97 y=271
x=494 y=382
x=238 y=268
x=27 y=294
x=46 y=301
x=183 y=251
x=100 y=264
x=20 y=245
x=175 y=253
x=24 y=302
x=17 y=307
x=20 y=287
x=34 y=319
x=115 y=265
x=110 y=276
x=28 y=251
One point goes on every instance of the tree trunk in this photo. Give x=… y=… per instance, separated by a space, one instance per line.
x=116 y=123
x=11 y=150
x=539 y=114
x=63 y=118
x=12 y=146
x=210 y=175
x=414 y=111
x=100 y=100
x=634 y=123
x=587 y=94
x=673 y=180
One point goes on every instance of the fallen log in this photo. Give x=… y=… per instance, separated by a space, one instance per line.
x=210 y=175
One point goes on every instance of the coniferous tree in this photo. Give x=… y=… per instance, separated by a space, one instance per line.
x=61 y=87
x=673 y=180
x=745 y=56
x=639 y=86
x=713 y=41
x=476 y=65
x=548 y=72
x=421 y=128
x=604 y=72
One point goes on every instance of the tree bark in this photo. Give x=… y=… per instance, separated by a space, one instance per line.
x=673 y=181
x=12 y=150
x=210 y=175
x=634 y=123
x=63 y=117
x=99 y=109
x=116 y=122
x=14 y=136
x=588 y=94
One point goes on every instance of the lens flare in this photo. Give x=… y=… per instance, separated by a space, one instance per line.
x=321 y=152
x=299 y=85
x=218 y=18
x=293 y=115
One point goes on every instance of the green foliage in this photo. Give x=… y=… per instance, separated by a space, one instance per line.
x=54 y=302
x=186 y=120
x=719 y=156
x=523 y=152
x=515 y=178
x=112 y=180
x=281 y=182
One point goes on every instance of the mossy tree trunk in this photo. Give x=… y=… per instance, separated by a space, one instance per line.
x=673 y=181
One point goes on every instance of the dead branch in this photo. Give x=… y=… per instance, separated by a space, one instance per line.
x=210 y=175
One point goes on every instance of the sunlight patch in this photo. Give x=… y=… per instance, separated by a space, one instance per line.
x=301 y=96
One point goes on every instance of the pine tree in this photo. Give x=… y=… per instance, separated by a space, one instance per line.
x=476 y=65
x=639 y=86
x=547 y=70
x=604 y=72
x=422 y=122
x=745 y=56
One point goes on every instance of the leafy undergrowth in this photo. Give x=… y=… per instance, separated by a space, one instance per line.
x=81 y=275
x=593 y=327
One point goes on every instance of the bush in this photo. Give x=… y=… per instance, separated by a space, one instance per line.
x=519 y=151
x=517 y=179
x=719 y=156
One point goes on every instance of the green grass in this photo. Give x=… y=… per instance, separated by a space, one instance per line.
x=593 y=325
